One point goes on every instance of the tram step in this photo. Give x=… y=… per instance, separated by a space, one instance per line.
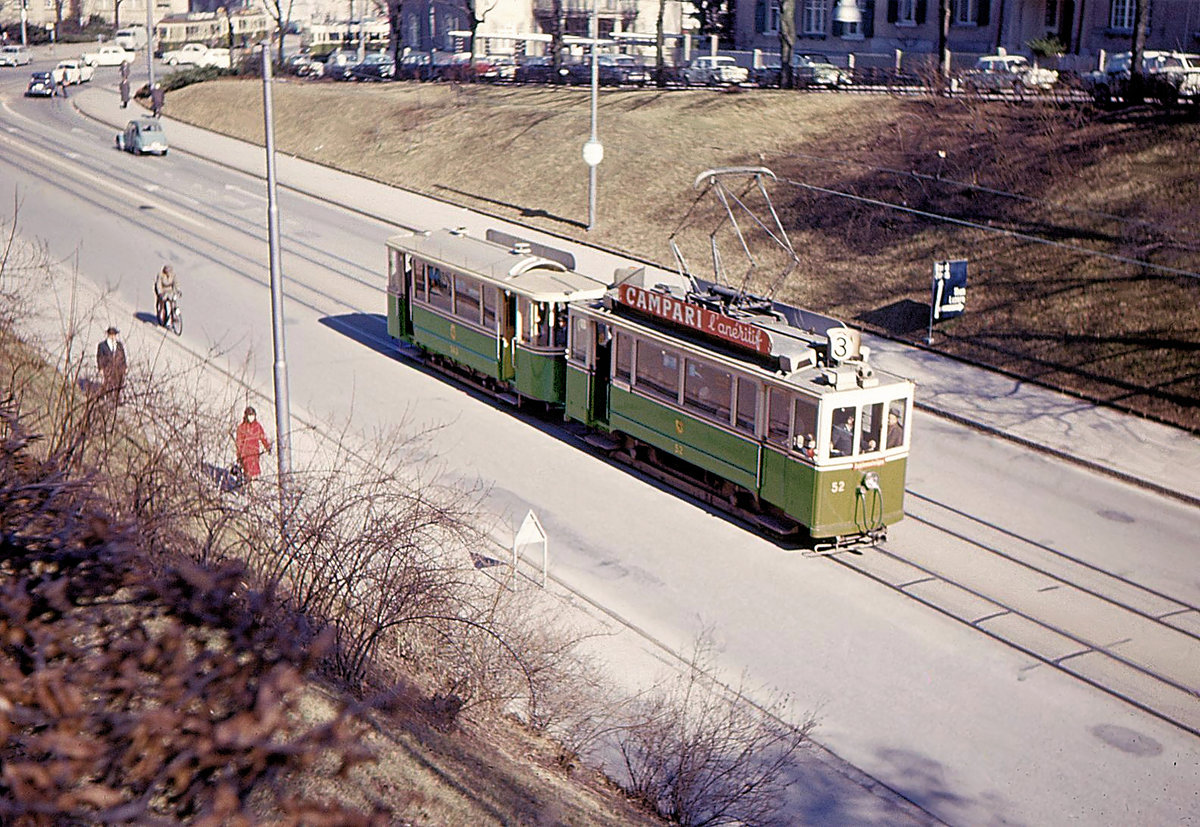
x=602 y=441
x=774 y=524
x=510 y=398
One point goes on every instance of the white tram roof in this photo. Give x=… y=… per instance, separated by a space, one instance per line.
x=510 y=268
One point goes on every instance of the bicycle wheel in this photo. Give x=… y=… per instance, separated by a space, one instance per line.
x=176 y=320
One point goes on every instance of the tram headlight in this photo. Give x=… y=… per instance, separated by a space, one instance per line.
x=870 y=481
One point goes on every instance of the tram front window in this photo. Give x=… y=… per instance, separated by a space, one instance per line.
x=841 y=443
x=870 y=427
x=560 y=325
x=535 y=322
x=895 y=427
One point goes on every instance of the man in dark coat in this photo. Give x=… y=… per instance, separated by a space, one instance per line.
x=110 y=359
x=124 y=90
x=157 y=98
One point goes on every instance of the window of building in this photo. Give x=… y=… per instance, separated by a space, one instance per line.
x=657 y=371
x=1120 y=15
x=966 y=12
x=747 y=405
x=623 y=360
x=903 y=12
x=841 y=441
x=870 y=428
x=439 y=288
x=778 y=414
x=804 y=426
x=813 y=17
x=707 y=389
x=466 y=298
x=1051 y=19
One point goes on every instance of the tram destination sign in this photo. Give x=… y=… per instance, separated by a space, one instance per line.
x=711 y=323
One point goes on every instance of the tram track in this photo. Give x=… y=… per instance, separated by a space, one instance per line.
x=1130 y=641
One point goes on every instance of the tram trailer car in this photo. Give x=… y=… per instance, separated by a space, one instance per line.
x=765 y=409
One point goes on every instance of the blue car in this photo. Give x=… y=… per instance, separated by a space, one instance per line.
x=143 y=136
x=41 y=85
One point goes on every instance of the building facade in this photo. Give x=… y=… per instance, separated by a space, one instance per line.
x=1085 y=28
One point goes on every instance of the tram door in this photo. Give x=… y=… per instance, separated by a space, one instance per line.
x=508 y=335
x=601 y=372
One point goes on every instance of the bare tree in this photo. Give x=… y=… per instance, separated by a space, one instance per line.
x=787 y=43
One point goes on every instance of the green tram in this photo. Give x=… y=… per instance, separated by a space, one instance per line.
x=763 y=409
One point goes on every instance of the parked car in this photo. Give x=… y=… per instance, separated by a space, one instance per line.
x=72 y=71
x=14 y=56
x=376 y=66
x=110 y=54
x=143 y=136
x=338 y=64
x=1171 y=78
x=808 y=69
x=415 y=66
x=302 y=65
x=41 y=85
x=535 y=69
x=709 y=70
x=611 y=70
x=1007 y=73
x=499 y=69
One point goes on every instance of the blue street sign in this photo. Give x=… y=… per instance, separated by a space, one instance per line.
x=949 y=289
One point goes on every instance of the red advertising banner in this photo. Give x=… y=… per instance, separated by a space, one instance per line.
x=671 y=309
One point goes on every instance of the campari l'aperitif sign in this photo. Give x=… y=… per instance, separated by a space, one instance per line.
x=699 y=318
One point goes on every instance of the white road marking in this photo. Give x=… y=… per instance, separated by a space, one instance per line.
x=246 y=193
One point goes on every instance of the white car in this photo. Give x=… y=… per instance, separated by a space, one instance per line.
x=999 y=73
x=109 y=54
x=73 y=71
x=14 y=56
x=718 y=70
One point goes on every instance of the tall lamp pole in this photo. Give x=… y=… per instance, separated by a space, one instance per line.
x=150 y=42
x=283 y=415
x=593 y=150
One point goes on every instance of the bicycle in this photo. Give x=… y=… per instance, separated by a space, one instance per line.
x=169 y=314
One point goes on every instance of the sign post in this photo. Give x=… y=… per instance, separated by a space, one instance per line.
x=530 y=533
x=949 y=292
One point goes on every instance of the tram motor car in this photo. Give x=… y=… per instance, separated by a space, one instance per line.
x=765 y=410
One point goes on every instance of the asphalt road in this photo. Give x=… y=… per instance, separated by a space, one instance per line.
x=971 y=730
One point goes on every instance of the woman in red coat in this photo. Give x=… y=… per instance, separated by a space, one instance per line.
x=251 y=442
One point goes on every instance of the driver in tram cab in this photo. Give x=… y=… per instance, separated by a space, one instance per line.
x=843 y=438
x=895 y=432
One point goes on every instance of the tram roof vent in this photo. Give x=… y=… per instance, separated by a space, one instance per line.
x=459 y=231
x=841 y=378
x=521 y=248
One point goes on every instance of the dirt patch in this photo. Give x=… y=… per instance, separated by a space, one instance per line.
x=1029 y=194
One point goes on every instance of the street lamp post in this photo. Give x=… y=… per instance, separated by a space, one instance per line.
x=593 y=150
x=283 y=416
x=150 y=43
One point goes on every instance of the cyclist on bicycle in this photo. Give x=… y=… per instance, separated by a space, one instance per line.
x=166 y=286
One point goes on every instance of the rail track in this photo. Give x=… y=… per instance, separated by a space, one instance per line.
x=1130 y=641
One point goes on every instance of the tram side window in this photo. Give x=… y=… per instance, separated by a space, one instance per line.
x=777 y=416
x=895 y=427
x=579 y=340
x=804 y=427
x=439 y=288
x=466 y=298
x=747 y=405
x=870 y=427
x=658 y=371
x=420 y=290
x=535 y=322
x=489 y=307
x=841 y=443
x=395 y=272
x=623 y=364
x=707 y=389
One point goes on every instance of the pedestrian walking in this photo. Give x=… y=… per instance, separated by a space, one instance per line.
x=251 y=442
x=157 y=99
x=124 y=89
x=110 y=359
x=62 y=86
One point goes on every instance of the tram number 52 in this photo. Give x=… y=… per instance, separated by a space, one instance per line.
x=837 y=486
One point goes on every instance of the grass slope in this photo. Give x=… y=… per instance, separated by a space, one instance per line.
x=1126 y=185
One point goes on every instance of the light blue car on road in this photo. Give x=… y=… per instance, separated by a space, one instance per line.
x=143 y=136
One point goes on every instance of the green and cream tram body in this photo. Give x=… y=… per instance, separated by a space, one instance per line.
x=768 y=410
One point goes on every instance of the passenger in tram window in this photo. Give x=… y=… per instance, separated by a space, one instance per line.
x=807 y=446
x=560 y=326
x=895 y=437
x=843 y=437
